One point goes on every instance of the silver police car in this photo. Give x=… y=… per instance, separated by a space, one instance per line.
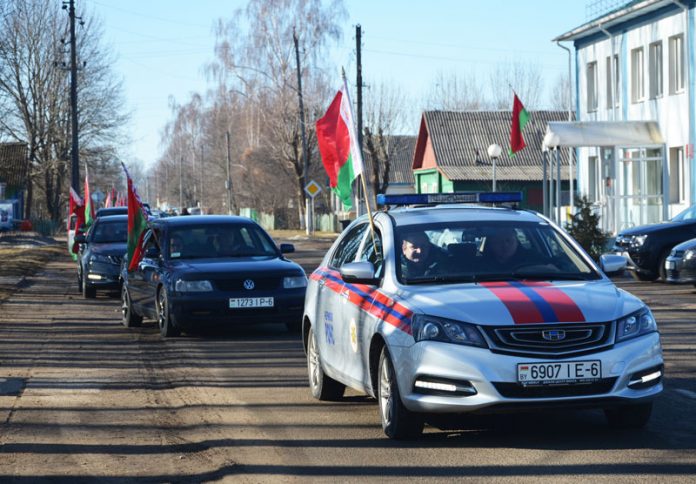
x=448 y=309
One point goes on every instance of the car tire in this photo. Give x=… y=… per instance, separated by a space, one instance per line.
x=88 y=292
x=128 y=316
x=661 y=267
x=79 y=279
x=164 y=319
x=629 y=416
x=397 y=421
x=643 y=277
x=322 y=386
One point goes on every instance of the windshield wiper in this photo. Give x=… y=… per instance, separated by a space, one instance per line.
x=447 y=279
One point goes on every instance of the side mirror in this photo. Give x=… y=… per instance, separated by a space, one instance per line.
x=80 y=238
x=152 y=253
x=612 y=263
x=359 y=272
x=287 y=248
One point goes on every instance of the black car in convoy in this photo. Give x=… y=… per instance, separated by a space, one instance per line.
x=101 y=251
x=680 y=266
x=647 y=247
x=212 y=270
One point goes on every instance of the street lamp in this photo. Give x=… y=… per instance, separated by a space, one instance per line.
x=494 y=152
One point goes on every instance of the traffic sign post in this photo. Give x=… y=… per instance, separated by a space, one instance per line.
x=312 y=189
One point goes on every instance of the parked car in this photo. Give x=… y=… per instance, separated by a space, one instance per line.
x=101 y=251
x=459 y=309
x=212 y=270
x=647 y=247
x=680 y=266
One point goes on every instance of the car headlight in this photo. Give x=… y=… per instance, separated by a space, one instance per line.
x=293 y=282
x=433 y=328
x=689 y=254
x=99 y=258
x=192 y=286
x=638 y=240
x=636 y=324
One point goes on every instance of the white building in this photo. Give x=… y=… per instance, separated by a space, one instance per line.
x=636 y=63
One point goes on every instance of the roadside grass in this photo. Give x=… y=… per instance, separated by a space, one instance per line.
x=24 y=261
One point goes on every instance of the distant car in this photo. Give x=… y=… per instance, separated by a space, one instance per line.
x=212 y=270
x=680 y=266
x=647 y=247
x=101 y=251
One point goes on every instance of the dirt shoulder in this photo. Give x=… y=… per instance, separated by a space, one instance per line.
x=23 y=255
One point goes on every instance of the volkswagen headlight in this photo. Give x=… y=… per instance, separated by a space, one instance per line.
x=689 y=254
x=192 y=286
x=636 y=324
x=638 y=240
x=433 y=328
x=293 y=282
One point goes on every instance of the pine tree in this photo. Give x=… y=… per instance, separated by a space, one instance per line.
x=584 y=228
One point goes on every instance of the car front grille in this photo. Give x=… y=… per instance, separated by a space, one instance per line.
x=515 y=390
x=116 y=259
x=550 y=341
x=237 y=284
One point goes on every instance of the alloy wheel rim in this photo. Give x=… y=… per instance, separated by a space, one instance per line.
x=385 y=393
x=125 y=304
x=161 y=310
x=313 y=363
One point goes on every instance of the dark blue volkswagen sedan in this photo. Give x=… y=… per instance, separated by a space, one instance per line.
x=212 y=270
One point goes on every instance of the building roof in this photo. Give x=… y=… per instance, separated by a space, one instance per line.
x=629 y=11
x=13 y=164
x=460 y=141
x=400 y=169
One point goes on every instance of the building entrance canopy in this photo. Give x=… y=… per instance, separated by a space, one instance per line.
x=635 y=187
x=604 y=133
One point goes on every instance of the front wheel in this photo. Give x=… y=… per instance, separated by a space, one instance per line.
x=322 y=386
x=88 y=292
x=164 y=319
x=397 y=421
x=629 y=416
x=128 y=317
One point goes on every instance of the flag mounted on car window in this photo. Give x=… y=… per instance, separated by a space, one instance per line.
x=338 y=145
x=137 y=224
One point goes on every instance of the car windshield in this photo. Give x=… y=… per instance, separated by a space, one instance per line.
x=688 y=214
x=106 y=232
x=219 y=241
x=480 y=251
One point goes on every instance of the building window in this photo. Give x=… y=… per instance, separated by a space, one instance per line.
x=592 y=179
x=655 y=69
x=615 y=77
x=637 y=80
x=676 y=64
x=677 y=192
x=592 y=87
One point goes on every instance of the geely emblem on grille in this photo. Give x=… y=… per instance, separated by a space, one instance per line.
x=249 y=284
x=553 y=335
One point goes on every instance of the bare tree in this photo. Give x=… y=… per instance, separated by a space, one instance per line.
x=452 y=92
x=522 y=77
x=34 y=95
x=561 y=94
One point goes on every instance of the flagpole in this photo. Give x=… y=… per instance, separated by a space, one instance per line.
x=362 y=173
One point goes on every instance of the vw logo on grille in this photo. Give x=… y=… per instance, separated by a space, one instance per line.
x=553 y=335
x=249 y=284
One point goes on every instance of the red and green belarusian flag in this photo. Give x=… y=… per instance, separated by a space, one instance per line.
x=137 y=224
x=520 y=117
x=338 y=145
x=89 y=208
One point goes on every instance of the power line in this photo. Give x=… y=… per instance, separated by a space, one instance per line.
x=152 y=17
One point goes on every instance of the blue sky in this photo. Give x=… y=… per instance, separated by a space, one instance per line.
x=161 y=46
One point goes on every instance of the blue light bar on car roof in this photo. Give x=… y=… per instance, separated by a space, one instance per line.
x=457 y=197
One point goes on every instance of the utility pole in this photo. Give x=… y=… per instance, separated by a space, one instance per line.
x=181 y=184
x=228 y=183
x=201 y=167
x=75 y=153
x=305 y=171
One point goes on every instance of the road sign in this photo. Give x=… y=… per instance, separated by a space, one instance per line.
x=312 y=188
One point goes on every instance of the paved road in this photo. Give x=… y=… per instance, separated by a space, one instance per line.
x=84 y=399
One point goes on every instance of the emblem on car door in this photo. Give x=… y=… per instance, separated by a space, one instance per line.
x=249 y=284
